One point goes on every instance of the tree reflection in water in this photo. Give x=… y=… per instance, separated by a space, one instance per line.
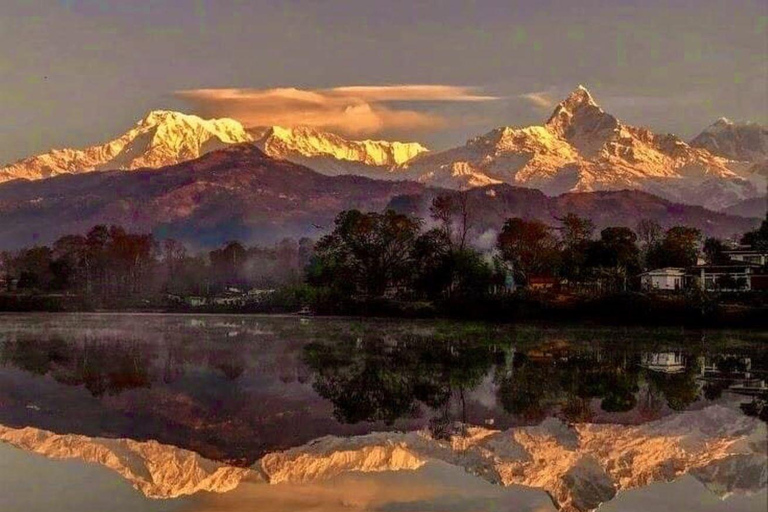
x=381 y=379
x=234 y=390
x=103 y=368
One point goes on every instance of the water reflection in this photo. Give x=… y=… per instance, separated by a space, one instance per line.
x=234 y=388
x=384 y=379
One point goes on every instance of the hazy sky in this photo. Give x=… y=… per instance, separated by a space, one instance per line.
x=76 y=72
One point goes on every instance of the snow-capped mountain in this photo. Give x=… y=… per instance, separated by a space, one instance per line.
x=165 y=138
x=157 y=470
x=583 y=148
x=162 y=138
x=331 y=154
x=746 y=142
x=580 y=466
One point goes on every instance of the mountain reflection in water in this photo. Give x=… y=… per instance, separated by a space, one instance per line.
x=235 y=388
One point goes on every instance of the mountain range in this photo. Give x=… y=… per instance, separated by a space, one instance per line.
x=162 y=138
x=165 y=138
x=206 y=181
x=239 y=192
x=582 y=148
x=580 y=466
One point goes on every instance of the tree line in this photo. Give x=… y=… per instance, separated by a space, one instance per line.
x=369 y=256
x=109 y=263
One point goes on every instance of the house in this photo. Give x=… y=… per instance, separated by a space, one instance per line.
x=670 y=278
x=663 y=362
x=746 y=254
x=736 y=277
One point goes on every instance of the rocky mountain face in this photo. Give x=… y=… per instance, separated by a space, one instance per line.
x=580 y=466
x=241 y=193
x=582 y=148
x=331 y=154
x=747 y=142
x=161 y=138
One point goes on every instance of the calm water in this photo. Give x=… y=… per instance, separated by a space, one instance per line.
x=233 y=387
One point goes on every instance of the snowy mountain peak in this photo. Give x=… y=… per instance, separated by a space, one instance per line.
x=302 y=143
x=723 y=121
x=582 y=148
x=579 y=112
x=579 y=97
x=162 y=137
x=741 y=141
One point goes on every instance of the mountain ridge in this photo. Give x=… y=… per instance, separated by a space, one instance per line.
x=241 y=193
x=582 y=148
x=166 y=137
x=580 y=466
x=161 y=138
x=741 y=141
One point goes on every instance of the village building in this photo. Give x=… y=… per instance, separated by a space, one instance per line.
x=670 y=278
x=737 y=277
x=746 y=254
x=663 y=362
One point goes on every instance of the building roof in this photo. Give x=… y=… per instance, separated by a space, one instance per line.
x=736 y=268
x=666 y=271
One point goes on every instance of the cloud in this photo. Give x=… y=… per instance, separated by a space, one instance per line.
x=540 y=99
x=352 y=110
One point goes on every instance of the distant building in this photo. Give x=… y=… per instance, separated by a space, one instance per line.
x=746 y=254
x=670 y=278
x=737 y=277
x=663 y=362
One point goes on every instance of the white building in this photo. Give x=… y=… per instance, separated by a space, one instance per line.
x=724 y=277
x=745 y=254
x=670 y=278
x=664 y=362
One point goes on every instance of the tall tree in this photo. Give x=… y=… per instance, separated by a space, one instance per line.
x=455 y=212
x=678 y=248
x=529 y=247
x=576 y=235
x=368 y=252
x=714 y=252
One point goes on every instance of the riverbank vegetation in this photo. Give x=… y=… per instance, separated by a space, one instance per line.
x=390 y=264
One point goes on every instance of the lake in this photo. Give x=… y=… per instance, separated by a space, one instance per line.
x=491 y=414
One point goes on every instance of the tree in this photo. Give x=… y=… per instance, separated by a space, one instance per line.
x=679 y=248
x=366 y=252
x=34 y=268
x=714 y=252
x=227 y=264
x=575 y=230
x=649 y=232
x=455 y=214
x=529 y=247
x=758 y=239
x=617 y=247
x=576 y=234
